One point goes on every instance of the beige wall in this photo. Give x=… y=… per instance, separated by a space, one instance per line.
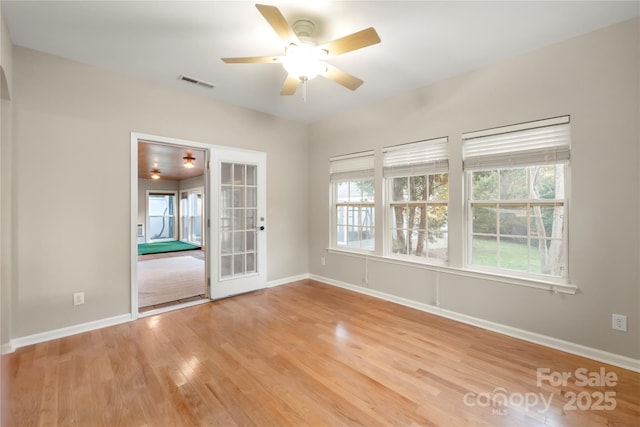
x=72 y=126
x=6 y=88
x=595 y=79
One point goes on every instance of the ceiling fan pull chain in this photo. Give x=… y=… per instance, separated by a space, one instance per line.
x=304 y=90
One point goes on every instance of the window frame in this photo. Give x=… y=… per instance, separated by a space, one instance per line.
x=557 y=153
x=351 y=168
x=528 y=202
x=389 y=227
x=421 y=158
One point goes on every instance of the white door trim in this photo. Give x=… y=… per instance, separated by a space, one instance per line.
x=135 y=138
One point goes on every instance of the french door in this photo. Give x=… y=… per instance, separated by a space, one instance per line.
x=238 y=223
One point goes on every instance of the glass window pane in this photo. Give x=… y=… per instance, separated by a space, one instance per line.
x=399 y=189
x=225 y=266
x=513 y=220
x=341 y=235
x=547 y=257
x=226 y=243
x=238 y=264
x=547 y=182
x=226 y=220
x=484 y=251
x=238 y=241
x=238 y=219
x=366 y=216
x=353 y=237
x=368 y=239
x=251 y=241
x=399 y=241
x=226 y=170
x=438 y=238
x=397 y=216
x=226 y=196
x=418 y=188
x=238 y=174
x=238 y=197
x=355 y=191
x=368 y=194
x=547 y=221
x=513 y=184
x=251 y=218
x=342 y=192
x=252 y=199
x=484 y=219
x=251 y=263
x=341 y=215
x=252 y=175
x=439 y=187
x=484 y=185
x=514 y=253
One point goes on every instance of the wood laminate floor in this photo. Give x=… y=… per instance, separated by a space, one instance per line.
x=307 y=354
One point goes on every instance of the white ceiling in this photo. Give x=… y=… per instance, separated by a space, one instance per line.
x=422 y=42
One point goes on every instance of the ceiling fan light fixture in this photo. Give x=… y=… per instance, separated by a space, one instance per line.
x=304 y=61
x=155 y=174
x=188 y=161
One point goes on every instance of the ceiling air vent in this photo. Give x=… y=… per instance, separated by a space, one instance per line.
x=196 y=81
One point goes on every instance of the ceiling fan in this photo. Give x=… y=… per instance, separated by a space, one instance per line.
x=304 y=59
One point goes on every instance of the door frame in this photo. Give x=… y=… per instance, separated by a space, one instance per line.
x=137 y=137
x=210 y=199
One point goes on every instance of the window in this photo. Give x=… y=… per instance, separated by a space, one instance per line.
x=417 y=189
x=353 y=199
x=161 y=207
x=191 y=216
x=517 y=199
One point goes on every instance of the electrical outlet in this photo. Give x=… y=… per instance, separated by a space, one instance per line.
x=78 y=298
x=323 y=261
x=619 y=322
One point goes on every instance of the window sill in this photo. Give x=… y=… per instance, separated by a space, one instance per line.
x=554 y=287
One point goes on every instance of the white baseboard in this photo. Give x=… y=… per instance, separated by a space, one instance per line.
x=7 y=348
x=286 y=280
x=558 y=344
x=65 y=332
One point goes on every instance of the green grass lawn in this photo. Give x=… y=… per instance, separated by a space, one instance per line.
x=512 y=256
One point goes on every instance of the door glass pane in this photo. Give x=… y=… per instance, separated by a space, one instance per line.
x=225 y=266
x=226 y=170
x=251 y=263
x=251 y=197
x=252 y=176
x=238 y=174
x=238 y=220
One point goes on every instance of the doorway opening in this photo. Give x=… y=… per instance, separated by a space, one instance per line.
x=172 y=254
x=214 y=221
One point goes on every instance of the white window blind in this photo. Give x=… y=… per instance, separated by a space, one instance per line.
x=352 y=166
x=416 y=158
x=534 y=143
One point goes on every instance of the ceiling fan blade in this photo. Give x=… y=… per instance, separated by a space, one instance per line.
x=290 y=85
x=278 y=23
x=254 y=60
x=340 y=77
x=352 y=42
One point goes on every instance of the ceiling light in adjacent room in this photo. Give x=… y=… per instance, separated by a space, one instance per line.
x=188 y=161
x=155 y=174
